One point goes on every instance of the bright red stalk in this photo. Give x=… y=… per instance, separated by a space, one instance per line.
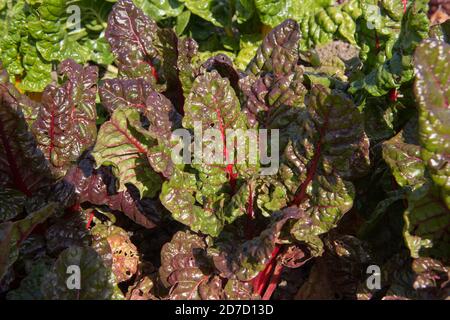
x=393 y=95
x=154 y=72
x=260 y=282
x=377 y=42
x=273 y=282
x=229 y=168
x=91 y=217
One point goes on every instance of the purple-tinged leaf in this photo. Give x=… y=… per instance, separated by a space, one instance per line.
x=123 y=144
x=97 y=186
x=432 y=89
x=278 y=52
x=65 y=125
x=124 y=93
x=132 y=37
x=23 y=166
x=185 y=269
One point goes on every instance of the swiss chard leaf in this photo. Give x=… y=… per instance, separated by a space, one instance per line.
x=65 y=126
x=432 y=90
x=25 y=167
x=122 y=144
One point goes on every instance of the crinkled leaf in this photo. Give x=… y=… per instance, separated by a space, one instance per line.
x=269 y=100
x=432 y=90
x=200 y=200
x=404 y=159
x=326 y=149
x=185 y=270
x=132 y=37
x=66 y=232
x=30 y=286
x=23 y=164
x=278 y=51
x=123 y=93
x=95 y=283
x=121 y=256
x=11 y=204
x=160 y=9
x=187 y=51
x=427 y=224
x=219 y=12
x=97 y=187
x=432 y=277
x=273 y=12
x=393 y=67
x=245 y=261
x=121 y=144
x=65 y=125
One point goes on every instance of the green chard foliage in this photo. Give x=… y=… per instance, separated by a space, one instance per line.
x=353 y=96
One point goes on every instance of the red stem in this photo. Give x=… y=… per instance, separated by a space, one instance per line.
x=301 y=193
x=377 y=42
x=393 y=95
x=260 y=282
x=262 y=278
x=154 y=72
x=273 y=282
x=229 y=168
x=91 y=217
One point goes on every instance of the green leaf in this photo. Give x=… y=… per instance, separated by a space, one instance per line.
x=100 y=52
x=432 y=91
x=405 y=160
x=11 y=204
x=122 y=145
x=218 y=12
x=245 y=10
x=30 y=286
x=273 y=12
x=182 y=22
x=160 y=9
x=278 y=52
x=427 y=221
x=390 y=68
x=95 y=279
x=248 y=46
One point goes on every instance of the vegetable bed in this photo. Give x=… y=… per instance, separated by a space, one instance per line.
x=355 y=94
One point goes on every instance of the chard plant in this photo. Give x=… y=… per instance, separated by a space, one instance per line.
x=354 y=97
